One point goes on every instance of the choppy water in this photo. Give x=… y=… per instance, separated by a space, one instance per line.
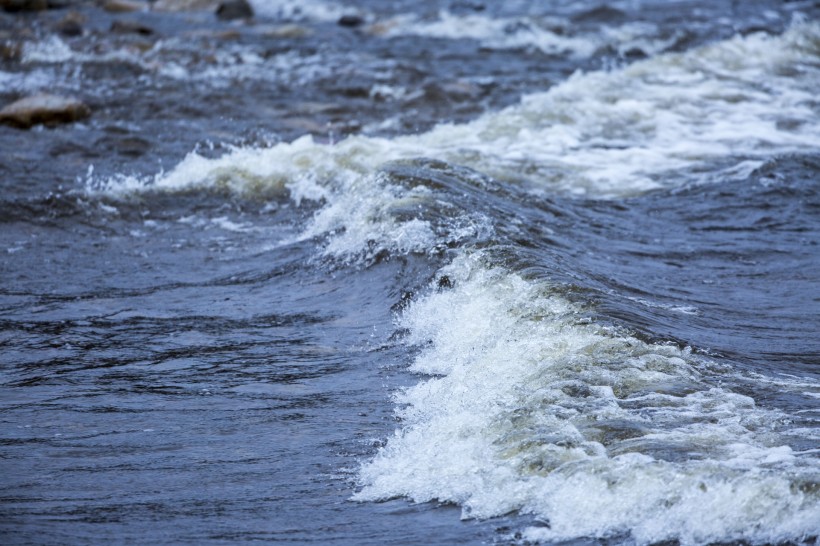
x=465 y=273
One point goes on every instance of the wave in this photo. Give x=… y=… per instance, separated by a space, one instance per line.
x=708 y=114
x=550 y=35
x=531 y=408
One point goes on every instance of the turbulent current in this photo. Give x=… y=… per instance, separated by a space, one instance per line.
x=413 y=273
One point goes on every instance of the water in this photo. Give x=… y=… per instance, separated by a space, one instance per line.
x=465 y=273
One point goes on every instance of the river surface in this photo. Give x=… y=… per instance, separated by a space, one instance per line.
x=452 y=272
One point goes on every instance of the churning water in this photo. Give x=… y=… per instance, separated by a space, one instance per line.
x=462 y=273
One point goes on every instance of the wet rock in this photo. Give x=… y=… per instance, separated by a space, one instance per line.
x=36 y=5
x=130 y=27
x=24 y=5
x=70 y=28
x=45 y=109
x=282 y=31
x=68 y=147
x=184 y=5
x=70 y=25
x=234 y=9
x=600 y=14
x=128 y=146
x=634 y=54
x=350 y=21
x=468 y=6
x=10 y=51
x=754 y=29
x=124 y=6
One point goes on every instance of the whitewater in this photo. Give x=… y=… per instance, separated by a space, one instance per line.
x=576 y=309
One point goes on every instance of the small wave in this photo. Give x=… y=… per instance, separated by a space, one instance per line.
x=53 y=50
x=550 y=35
x=595 y=433
x=298 y=10
x=713 y=113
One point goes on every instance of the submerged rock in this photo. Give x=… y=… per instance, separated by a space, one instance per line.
x=130 y=27
x=288 y=31
x=184 y=5
x=350 y=21
x=43 y=108
x=24 y=5
x=600 y=14
x=71 y=24
x=36 y=5
x=234 y=9
x=124 y=6
x=9 y=51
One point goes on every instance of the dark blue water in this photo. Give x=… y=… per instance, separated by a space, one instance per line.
x=538 y=273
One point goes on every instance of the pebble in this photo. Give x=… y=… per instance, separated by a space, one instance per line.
x=44 y=108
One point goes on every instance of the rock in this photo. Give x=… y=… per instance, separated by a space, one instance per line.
x=184 y=5
x=43 y=108
x=129 y=27
x=288 y=31
x=36 y=5
x=123 y=6
x=70 y=28
x=468 y=6
x=24 y=5
x=10 y=51
x=600 y=14
x=130 y=146
x=70 y=25
x=234 y=9
x=350 y=21
x=634 y=54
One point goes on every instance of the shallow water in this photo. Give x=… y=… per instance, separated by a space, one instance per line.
x=465 y=273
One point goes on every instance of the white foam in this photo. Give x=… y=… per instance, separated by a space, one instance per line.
x=709 y=114
x=594 y=432
x=53 y=50
x=174 y=58
x=493 y=32
x=314 y=10
x=34 y=80
x=50 y=50
x=552 y=35
x=238 y=63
